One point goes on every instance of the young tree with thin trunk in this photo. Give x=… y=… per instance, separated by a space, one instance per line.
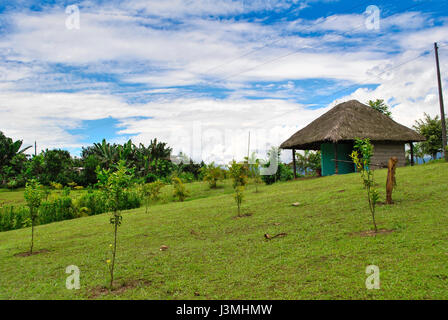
x=114 y=184
x=33 y=196
x=239 y=174
x=361 y=155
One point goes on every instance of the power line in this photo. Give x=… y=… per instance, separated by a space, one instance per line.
x=333 y=16
x=365 y=81
x=298 y=50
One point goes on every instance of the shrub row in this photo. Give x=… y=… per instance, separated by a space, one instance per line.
x=64 y=208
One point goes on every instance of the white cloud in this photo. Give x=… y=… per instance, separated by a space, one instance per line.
x=168 y=45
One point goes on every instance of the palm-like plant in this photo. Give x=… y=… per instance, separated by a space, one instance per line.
x=9 y=149
x=158 y=151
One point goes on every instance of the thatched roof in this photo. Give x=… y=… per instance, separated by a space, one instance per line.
x=347 y=121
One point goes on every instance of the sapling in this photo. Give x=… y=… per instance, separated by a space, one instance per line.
x=179 y=190
x=239 y=174
x=33 y=196
x=239 y=195
x=212 y=174
x=114 y=184
x=361 y=155
x=150 y=191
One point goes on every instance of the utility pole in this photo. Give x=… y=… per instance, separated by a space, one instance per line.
x=442 y=111
x=248 y=149
x=35 y=148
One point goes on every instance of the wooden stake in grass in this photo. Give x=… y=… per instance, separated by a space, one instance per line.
x=361 y=155
x=33 y=196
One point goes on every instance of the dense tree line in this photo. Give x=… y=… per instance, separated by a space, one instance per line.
x=150 y=163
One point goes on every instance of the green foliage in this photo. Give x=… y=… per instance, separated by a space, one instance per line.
x=57 y=167
x=56 y=186
x=239 y=196
x=33 y=196
x=380 y=106
x=211 y=174
x=12 y=218
x=431 y=129
x=12 y=184
x=95 y=201
x=186 y=177
x=361 y=155
x=284 y=173
x=254 y=170
x=239 y=173
x=12 y=158
x=179 y=191
x=309 y=162
x=59 y=209
x=150 y=191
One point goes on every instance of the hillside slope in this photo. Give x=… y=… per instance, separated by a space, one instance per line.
x=213 y=255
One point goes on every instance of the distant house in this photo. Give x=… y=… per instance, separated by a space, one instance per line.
x=334 y=132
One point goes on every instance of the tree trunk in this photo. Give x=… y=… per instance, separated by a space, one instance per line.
x=113 y=253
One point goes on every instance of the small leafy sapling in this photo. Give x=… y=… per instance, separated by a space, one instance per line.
x=150 y=191
x=33 y=196
x=212 y=174
x=361 y=155
x=155 y=188
x=179 y=190
x=254 y=170
x=239 y=195
x=114 y=185
x=239 y=174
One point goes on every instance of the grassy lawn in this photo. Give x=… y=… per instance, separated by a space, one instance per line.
x=213 y=255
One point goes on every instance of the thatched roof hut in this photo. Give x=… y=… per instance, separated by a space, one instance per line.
x=343 y=124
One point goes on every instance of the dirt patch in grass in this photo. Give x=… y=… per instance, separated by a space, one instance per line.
x=372 y=233
x=118 y=288
x=27 y=254
x=244 y=215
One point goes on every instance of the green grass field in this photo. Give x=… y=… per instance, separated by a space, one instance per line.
x=213 y=255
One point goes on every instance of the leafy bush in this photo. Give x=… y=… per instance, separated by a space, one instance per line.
x=150 y=177
x=239 y=173
x=56 y=186
x=60 y=209
x=211 y=174
x=94 y=201
x=179 y=190
x=150 y=191
x=12 y=184
x=284 y=173
x=186 y=177
x=12 y=218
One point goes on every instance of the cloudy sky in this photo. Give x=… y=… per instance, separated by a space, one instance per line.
x=202 y=74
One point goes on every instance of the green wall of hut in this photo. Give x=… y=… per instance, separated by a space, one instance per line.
x=327 y=158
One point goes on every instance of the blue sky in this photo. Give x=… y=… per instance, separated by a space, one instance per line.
x=202 y=74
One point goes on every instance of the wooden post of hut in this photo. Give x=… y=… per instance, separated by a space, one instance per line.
x=412 y=153
x=294 y=162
